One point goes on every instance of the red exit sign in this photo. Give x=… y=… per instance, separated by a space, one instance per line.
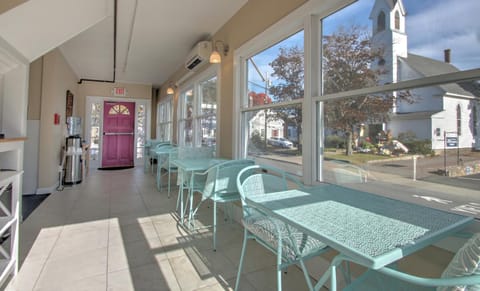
x=119 y=91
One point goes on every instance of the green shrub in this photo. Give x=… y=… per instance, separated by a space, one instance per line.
x=405 y=137
x=419 y=147
x=257 y=139
x=368 y=145
x=335 y=141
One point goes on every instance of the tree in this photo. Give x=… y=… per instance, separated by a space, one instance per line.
x=259 y=98
x=288 y=69
x=349 y=62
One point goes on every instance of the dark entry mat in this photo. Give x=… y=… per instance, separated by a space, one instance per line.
x=115 y=168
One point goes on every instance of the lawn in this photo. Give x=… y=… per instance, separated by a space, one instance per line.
x=355 y=158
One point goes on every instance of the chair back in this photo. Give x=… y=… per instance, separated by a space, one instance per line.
x=167 y=151
x=157 y=145
x=466 y=262
x=222 y=178
x=195 y=152
x=346 y=173
x=257 y=179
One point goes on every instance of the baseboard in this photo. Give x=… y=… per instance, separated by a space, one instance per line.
x=46 y=190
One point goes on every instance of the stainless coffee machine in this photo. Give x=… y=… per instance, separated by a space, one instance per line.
x=73 y=169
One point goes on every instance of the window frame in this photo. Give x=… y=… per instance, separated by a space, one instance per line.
x=194 y=83
x=162 y=122
x=308 y=17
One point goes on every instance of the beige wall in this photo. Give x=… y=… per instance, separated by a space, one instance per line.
x=35 y=89
x=9 y=4
x=50 y=78
x=57 y=78
x=253 y=18
x=103 y=89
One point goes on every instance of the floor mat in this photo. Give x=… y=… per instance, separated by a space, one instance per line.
x=115 y=168
x=30 y=202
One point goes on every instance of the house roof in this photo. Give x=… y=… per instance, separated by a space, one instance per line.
x=414 y=115
x=430 y=67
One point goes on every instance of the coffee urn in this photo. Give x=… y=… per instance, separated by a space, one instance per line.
x=73 y=153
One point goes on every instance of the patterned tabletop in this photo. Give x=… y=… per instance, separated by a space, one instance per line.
x=371 y=229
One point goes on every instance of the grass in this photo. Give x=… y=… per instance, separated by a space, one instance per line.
x=355 y=158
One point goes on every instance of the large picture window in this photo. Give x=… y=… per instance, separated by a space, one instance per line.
x=198 y=103
x=378 y=87
x=273 y=101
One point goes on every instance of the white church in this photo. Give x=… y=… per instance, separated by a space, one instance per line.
x=452 y=108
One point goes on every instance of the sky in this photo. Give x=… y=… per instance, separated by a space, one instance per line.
x=431 y=26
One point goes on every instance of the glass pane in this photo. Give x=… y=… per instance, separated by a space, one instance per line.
x=277 y=73
x=208 y=129
x=371 y=145
x=377 y=42
x=95 y=130
x=275 y=134
x=209 y=96
x=141 y=130
x=188 y=104
x=187 y=127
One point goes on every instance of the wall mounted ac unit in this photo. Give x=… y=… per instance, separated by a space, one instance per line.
x=199 y=55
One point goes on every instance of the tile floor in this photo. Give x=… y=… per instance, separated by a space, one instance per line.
x=115 y=231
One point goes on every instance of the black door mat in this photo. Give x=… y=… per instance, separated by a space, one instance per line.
x=115 y=168
x=30 y=202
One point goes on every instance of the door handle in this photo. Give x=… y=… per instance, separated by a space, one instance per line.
x=118 y=133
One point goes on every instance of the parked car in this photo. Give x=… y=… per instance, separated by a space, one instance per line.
x=280 y=142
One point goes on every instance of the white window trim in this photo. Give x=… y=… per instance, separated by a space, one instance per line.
x=193 y=83
x=168 y=102
x=100 y=99
x=306 y=17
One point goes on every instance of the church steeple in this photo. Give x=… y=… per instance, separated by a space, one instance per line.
x=388 y=35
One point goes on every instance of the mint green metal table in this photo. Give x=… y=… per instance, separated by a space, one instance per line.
x=186 y=168
x=371 y=230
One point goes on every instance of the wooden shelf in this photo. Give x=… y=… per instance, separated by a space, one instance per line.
x=13 y=139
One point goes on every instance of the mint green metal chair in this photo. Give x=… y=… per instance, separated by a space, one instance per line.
x=165 y=154
x=463 y=273
x=190 y=153
x=149 y=156
x=220 y=187
x=290 y=245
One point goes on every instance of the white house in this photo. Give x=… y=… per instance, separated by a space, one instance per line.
x=257 y=124
x=453 y=109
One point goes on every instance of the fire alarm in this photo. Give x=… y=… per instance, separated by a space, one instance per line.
x=56 y=119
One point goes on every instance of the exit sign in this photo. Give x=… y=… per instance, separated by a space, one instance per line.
x=119 y=91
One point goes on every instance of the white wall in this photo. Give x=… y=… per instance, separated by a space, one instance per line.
x=421 y=127
x=30 y=165
x=466 y=139
x=14 y=108
x=425 y=99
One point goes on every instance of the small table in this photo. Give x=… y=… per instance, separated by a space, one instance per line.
x=371 y=230
x=189 y=166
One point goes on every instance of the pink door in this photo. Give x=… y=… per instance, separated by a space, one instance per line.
x=118 y=134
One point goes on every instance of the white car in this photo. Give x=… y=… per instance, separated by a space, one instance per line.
x=280 y=142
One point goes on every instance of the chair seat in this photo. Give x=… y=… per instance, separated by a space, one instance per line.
x=376 y=281
x=265 y=228
x=230 y=197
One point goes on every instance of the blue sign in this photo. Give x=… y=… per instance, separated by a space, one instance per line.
x=452 y=141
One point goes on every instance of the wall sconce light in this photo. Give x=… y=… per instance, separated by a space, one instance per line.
x=170 y=89
x=215 y=57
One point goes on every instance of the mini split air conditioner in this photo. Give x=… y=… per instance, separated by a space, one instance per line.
x=199 y=55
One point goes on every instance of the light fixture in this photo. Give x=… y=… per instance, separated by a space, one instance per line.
x=170 y=89
x=215 y=57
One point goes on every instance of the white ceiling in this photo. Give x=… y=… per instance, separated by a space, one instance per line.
x=153 y=38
